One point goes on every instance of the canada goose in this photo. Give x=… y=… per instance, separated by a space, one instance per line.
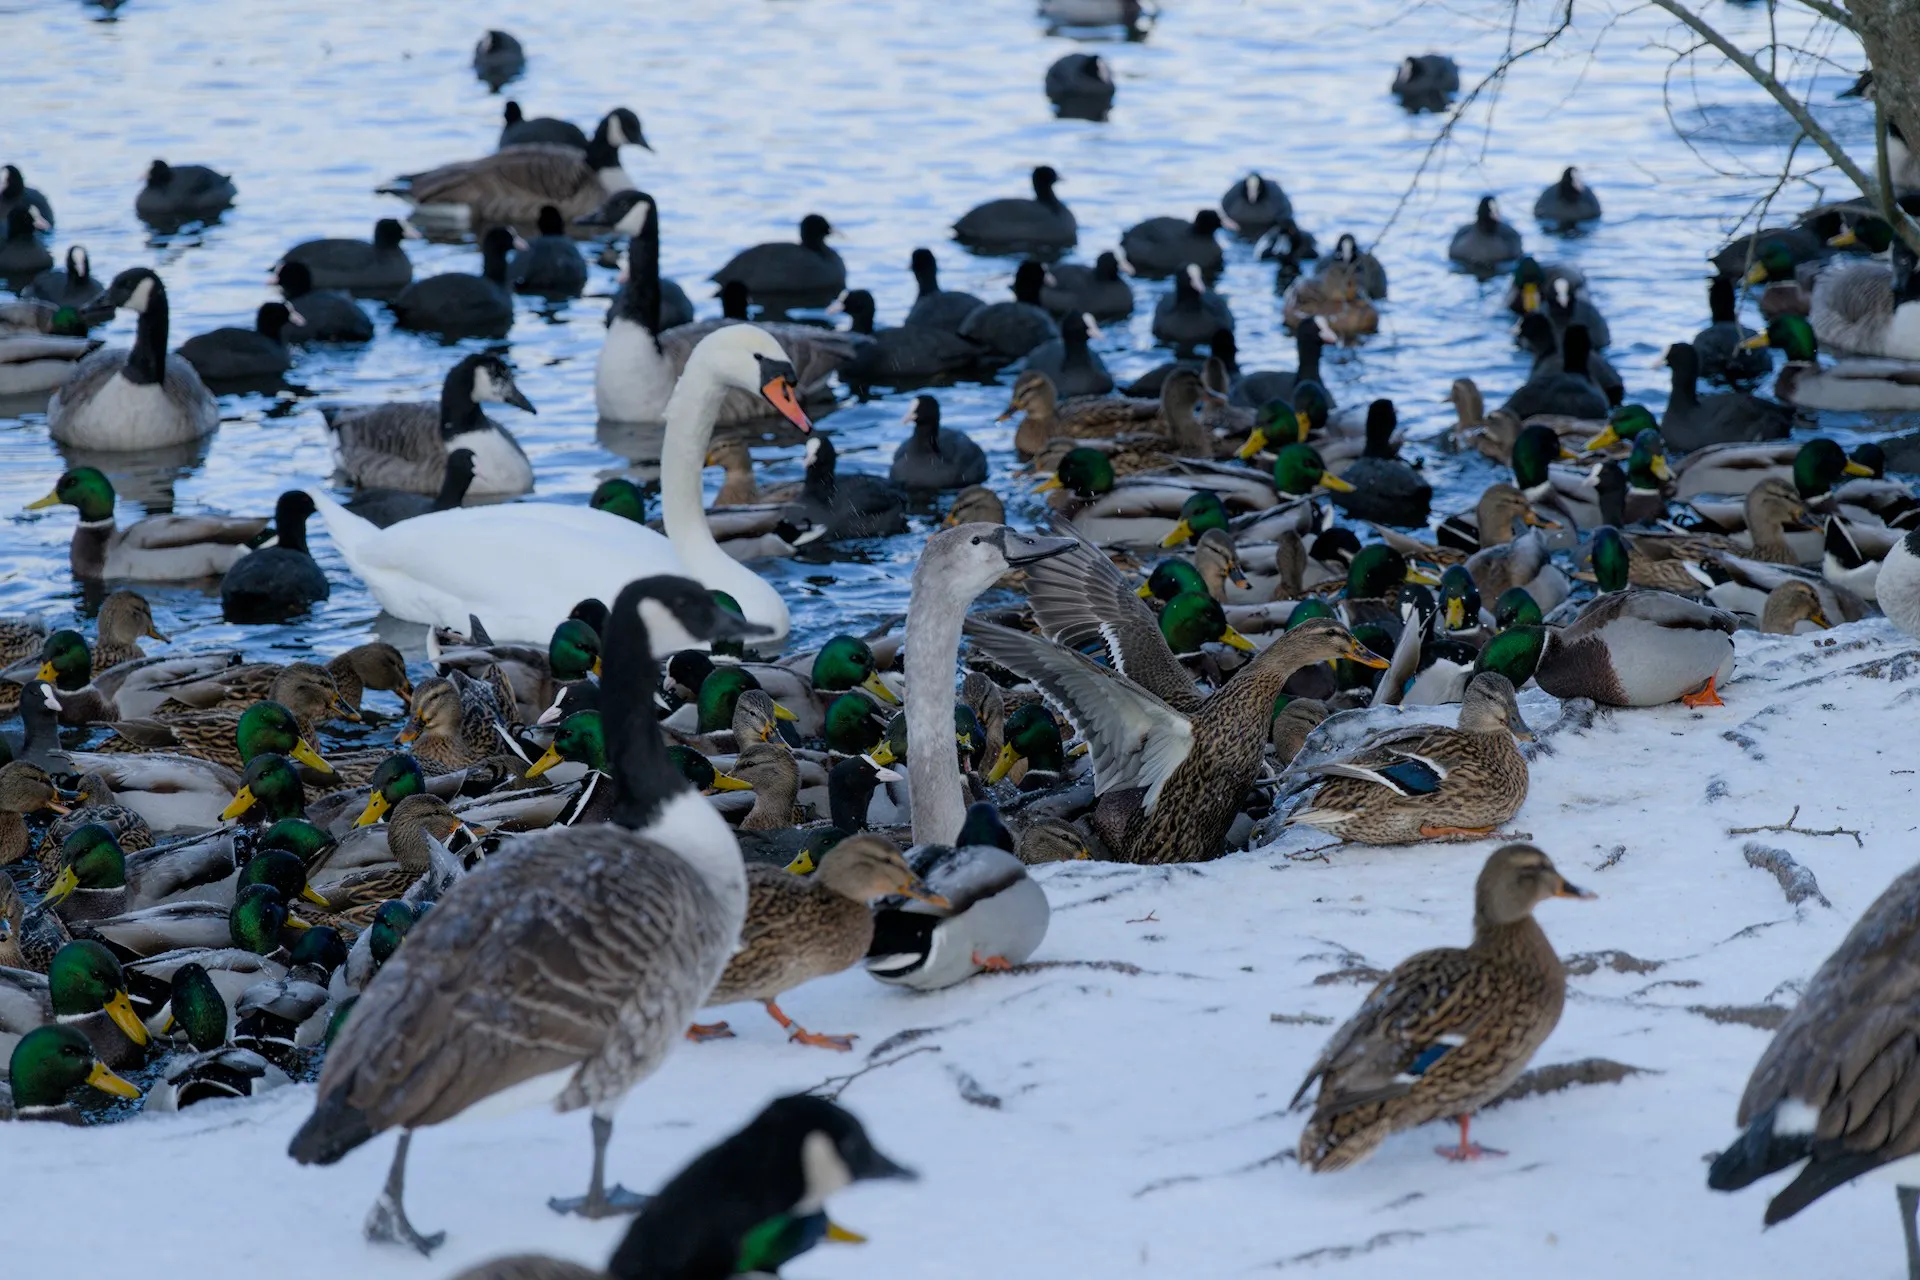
x=178 y=194
x=405 y=446
x=455 y=304
x=138 y=397
x=378 y=268
x=508 y=187
x=645 y=910
x=383 y=507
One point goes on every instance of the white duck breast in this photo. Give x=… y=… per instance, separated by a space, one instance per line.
x=1898 y=586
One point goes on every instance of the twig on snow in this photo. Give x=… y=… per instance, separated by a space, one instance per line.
x=1799 y=831
x=833 y=1086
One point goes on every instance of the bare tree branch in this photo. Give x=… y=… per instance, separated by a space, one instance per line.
x=1832 y=13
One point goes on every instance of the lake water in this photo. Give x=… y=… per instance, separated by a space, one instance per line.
x=889 y=118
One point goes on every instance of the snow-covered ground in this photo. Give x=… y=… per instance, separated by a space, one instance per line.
x=1118 y=1107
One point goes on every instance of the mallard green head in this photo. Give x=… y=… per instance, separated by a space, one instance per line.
x=621 y=497
x=893 y=747
x=1647 y=468
x=389 y=928
x=1820 y=465
x=770 y=1245
x=199 y=1008
x=580 y=739
x=320 y=947
x=573 y=653
x=1626 y=422
x=51 y=1062
x=67 y=322
x=1307 y=610
x=271 y=789
x=257 y=918
x=1459 y=604
x=1610 y=558
x=84 y=488
x=719 y=692
x=1516 y=607
x=284 y=871
x=1171 y=577
x=1086 y=473
x=269 y=728
x=1349 y=674
x=1033 y=735
x=1772 y=260
x=1534 y=450
x=90 y=858
x=851 y=728
x=298 y=837
x=1515 y=652
x=1199 y=513
x=1298 y=470
x=1377 y=572
x=396 y=778
x=983 y=827
x=85 y=978
x=1872 y=457
x=968 y=733
x=1864 y=232
x=728 y=647
x=1275 y=423
x=1790 y=334
x=1529 y=279
x=1194 y=618
x=338 y=1019
x=65 y=662
x=693 y=766
x=1311 y=406
x=846 y=662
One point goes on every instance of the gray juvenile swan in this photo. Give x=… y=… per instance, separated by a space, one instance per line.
x=138 y=397
x=640 y=914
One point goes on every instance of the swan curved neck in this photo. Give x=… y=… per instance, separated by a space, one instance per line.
x=691 y=411
x=934 y=619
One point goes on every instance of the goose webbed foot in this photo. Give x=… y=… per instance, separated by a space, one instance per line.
x=700 y=1032
x=600 y=1200
x=387 y=1222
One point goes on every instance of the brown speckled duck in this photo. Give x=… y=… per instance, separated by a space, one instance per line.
x=455 y=722
x=125 y=617
x=1428 y=782
x=1448 y=1030
x=375 y=665
x=24 y=788
x=800 y=929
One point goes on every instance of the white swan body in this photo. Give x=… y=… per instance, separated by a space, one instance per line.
x=522 y=567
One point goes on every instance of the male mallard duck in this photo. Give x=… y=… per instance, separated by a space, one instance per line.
x=645 y=910
x=1448 y=1030
x=1033 y=756
x=167 y=548
x=1865 y=309
x=533 y=673
x=1693 y=423
x=46 y=1066
x=284 y=725
x=405 y=446
x=1849 y=386
x=209 y=1067
x=1633 y=648
x=800 y=929
x=1428 y=782
x=1174 y=801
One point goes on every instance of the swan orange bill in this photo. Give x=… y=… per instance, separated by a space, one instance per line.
x=779 y=393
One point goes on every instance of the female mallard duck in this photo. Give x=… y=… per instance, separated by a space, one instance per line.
x=1174 y=801
x=139 y=397
x=1339 y=296
x=770 y=769
x=405 y=446
x=1092 y=417
x=168 y=548
x=455 y=722
x=1428 y=782
x=25 y=788
x=646 y=910
x=534 y=674
x=46 y=1066
x=124 y=617
x=283 y=725
x=800 y=929
x=355 y=896
x=1693 y=423
x=1865 y=309
x=1448 y=1030
x=1769 y=506
x=1490 y=525
x=1819 y=1096
x=374 y=665
x=1633 y=648
x=1860 y=385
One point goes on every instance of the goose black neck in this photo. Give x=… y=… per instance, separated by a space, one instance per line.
x=850 y=788
x=644 y=776
x=459 y=411
x=820 y=483
x=602 y=154
x=1613 y=495
x=1906 y=282
x=641 y=302
x=453 y=489
x=147 y=362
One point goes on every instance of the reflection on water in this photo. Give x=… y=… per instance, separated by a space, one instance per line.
x=888 y=117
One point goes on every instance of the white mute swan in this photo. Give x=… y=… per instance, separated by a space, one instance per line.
x=521 y=568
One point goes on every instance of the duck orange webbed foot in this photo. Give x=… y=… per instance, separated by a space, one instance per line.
x=701 y=1031
x=1704 y=698
x=843 y=1044
x=993 y=964
x=1467 y=1149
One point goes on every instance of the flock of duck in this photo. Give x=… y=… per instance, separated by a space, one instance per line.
x=614 y=799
